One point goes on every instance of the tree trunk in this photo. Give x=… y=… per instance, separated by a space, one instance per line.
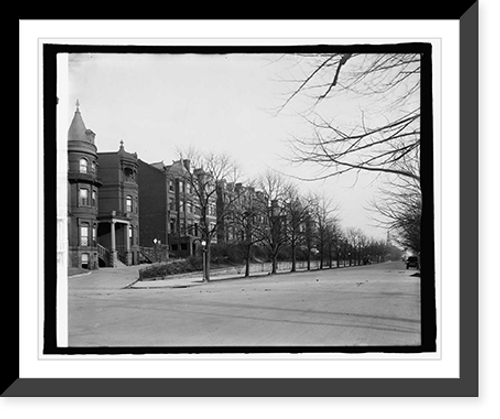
x=330 y=256
x=247 y=261
x=294 y=258
x=274 y=264
x=206 y=264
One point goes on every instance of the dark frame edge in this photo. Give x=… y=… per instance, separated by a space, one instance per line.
x=469 y=200
x=466 y=386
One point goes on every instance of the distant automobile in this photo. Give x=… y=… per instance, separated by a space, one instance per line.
x=412 y=262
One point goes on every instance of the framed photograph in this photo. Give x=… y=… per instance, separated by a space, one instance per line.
x=253 y=216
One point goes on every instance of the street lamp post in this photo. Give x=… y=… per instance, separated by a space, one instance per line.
x=203 y=243
x=204 y=260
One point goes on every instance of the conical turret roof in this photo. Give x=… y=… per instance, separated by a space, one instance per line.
x=77 y=130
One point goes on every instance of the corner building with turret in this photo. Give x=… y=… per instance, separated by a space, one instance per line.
x=103 y=202
x=83 y=191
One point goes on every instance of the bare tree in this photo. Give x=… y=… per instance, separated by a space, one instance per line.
x=354 y=238
x=387 y=127
x=297 y=211
x=247 y=217
x=204 y=173
x=325 y=223
x=398 y=206
x=273 y=233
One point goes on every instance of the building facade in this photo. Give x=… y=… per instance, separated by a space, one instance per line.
x=154 y=215
x=103 y=202
x=118 y=208
x=83 y=192
x=172 y=211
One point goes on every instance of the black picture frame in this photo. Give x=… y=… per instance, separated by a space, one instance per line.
x=466 y=385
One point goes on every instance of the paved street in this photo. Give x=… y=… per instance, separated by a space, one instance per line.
x=368 y=305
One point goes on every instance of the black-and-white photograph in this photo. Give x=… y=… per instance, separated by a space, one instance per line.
x=245 y=199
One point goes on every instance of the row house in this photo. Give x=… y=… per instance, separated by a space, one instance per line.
x=171 y=210
x=242 y=212
x=118 y=213
x=103 y=207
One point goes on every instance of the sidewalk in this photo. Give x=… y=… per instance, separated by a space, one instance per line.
x=192 y=281
x=128 y=277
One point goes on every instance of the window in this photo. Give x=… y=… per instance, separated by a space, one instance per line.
x=181 y=206
x=84 y=197
x=136 y=205
x=131 y=235
x=94 y=170
x=84 y=234
x=170 y=185
x=129 y=174
x=129 y=203
x=184 y=246
x=84 y=165
x=94 y=235
x=190 y=207
x=94 y=198
x=85 y=260
x=211 y=209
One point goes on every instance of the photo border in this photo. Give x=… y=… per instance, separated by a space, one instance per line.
x=428 y=303
x=466 y=385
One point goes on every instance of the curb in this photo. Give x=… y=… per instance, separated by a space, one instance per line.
x=78 y=275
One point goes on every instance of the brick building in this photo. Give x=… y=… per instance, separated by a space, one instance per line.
x=154 y=215
x=118 y=213
x=103 y=202
x=83 y=191
x=242 y=213
x=171 y=211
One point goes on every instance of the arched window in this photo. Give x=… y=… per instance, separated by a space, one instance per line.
x=84 y=165
x=129 y=204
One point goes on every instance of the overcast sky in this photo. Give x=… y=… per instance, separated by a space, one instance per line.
x=157 y=103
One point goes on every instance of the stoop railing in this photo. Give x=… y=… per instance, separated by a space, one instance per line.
x=105 y=255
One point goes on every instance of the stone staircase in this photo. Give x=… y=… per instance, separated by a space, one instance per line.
x=108 y=258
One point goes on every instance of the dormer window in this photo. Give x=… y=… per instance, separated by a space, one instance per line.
x=84 y=165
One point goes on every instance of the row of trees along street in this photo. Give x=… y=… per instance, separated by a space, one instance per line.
x=269 y=219
x=380 y=135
